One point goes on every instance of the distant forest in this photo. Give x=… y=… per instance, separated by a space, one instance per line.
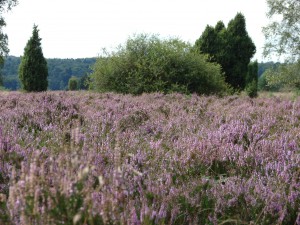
x=61 y=70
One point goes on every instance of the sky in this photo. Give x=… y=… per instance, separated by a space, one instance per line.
x=81 y=29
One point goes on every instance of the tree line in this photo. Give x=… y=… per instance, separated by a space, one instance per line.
x=219 y=62
x=59 y=72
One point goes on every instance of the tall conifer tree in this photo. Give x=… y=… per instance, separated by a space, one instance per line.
x=240 y=50
x=231 y=47
x=33 y=70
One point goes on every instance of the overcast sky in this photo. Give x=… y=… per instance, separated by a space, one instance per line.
x=79 y=29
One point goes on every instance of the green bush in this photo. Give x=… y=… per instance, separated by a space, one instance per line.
x=73 y=84
x=148 y=64
x=252 y=79
x=251 y=89
x=286 y=76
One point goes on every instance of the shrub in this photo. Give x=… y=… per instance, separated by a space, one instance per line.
x=251 y=89
x=83 y=82
x=252 y=79
x=148 y=64
x=73 y=84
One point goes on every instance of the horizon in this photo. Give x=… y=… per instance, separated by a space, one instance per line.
x=268 y=61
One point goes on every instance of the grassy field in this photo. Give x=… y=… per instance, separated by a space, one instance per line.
x=86 y=158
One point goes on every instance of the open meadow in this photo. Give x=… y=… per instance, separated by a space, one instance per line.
x=87 y=158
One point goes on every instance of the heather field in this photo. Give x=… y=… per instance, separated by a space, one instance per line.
x=86 y=158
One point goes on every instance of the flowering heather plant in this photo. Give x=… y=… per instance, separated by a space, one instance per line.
x=86 y=158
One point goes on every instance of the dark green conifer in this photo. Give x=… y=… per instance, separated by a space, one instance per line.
x=231 y=47
x=252 y=79
x=33 y=70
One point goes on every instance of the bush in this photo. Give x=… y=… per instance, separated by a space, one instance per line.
x=83 y=82
x=252 y=79
x=286 y=76
x=251 y=89
x=263 y=84
x=147 y=64
x=73 y=84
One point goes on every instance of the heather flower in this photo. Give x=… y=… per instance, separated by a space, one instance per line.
x=158 y=158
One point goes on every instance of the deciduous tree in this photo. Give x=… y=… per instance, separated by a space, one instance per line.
x=282 y=34
x=4 y=5
x=283 y=39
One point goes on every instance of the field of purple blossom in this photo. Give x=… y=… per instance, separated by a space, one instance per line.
x=87 y=158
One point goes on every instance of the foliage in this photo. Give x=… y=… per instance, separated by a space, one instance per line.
x=10 y=73
x=59 y=72
x=231 y=47
x=33 y=71
x=1 y=79
x=282 y=38
x=252 y=79
x=212 y=42
x=251 y=89
x=89 y=158
x=263 y=85
x=287 y=75
x=4 y=5
x=240 y=50
x=147 y=64
x=263 y=70
x=263 y=66
x=73 y=84
x=84 y=82
x=282 y=34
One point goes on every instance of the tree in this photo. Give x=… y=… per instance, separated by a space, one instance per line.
x=252 y=73
x=57 y=72
x=282 y=39
x=282 y=34
x=4 y=5
x=231 y=47
x=83 y=82
x=263 y=84
x=33 y=70
x=285 y=75
x=240 y=50
x=208 y=43
x=147 y=64
x=212 y=43
x=73 y=84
